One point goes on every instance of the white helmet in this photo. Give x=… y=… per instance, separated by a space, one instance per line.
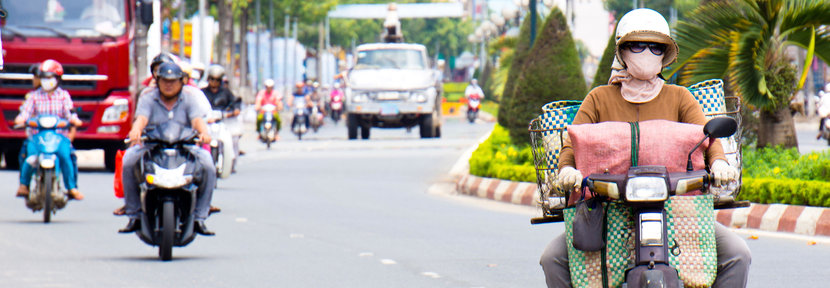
x=269 y=83
x=646 y=25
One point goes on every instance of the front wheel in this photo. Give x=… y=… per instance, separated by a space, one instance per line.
x=427 y=127
x=168 y=231
x=46 y=192
x=351 y=125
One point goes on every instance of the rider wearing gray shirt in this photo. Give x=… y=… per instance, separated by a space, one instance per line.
x=168 y=102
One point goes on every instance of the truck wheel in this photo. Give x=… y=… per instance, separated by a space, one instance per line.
x=364 y=130
x=426 y=126
x=109 y=158
x=351 y=125
x=438 y=131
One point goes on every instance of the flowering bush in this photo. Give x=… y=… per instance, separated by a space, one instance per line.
x=497 y=157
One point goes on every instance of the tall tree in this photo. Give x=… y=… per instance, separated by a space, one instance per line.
x=519 y=57
x=604 y=67
x=744 y=42
x=551 y=72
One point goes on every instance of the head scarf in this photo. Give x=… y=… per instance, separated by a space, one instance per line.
x=639 y=80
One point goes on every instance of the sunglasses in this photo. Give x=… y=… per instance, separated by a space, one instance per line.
x=638 y=47
x=214 y=79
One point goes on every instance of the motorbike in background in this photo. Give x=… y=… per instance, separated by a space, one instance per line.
x=300 y=121
x=221 y=146
x=473 y=105
x=268 y=128
x=336 y=107
x=168 y=193
x=825 y=131
x=316 y=118
x=47 y=193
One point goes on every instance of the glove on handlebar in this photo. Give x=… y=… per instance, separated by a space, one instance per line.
x=723 y=172
x=569 y=178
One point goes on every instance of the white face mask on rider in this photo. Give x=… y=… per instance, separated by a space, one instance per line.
x=48 y=84
x=639 y=80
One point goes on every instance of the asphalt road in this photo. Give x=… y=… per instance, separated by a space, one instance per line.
x=327 y=212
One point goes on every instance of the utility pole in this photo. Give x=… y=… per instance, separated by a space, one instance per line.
x=181 y=29
x=202 y=35
x=271 y=40
x=257 y=69
x=286 y=83
x=294 y=56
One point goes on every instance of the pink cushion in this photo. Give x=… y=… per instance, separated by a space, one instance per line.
x=606 y=146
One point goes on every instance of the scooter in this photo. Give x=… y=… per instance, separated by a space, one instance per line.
x=221 y=146
x=268 y=128
x=645 y=189
x=336 y=107
x=316 y=118
x=168 y=193
x=299 y=124
x=825 y=131
x=47 y=193
x=473 y=105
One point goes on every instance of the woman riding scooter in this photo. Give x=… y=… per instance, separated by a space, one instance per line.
x=265 y=97
x=49 y=99
x=636 y=92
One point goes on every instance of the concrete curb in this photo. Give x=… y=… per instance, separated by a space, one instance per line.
x=805 y=220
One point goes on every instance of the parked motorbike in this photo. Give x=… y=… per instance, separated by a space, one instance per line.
x=268 y=128
x=300 y=122
x=221 y=146
x=336 y=107
x=168 y=194
x=473 y=105
x=645 y=189
x=47 y=193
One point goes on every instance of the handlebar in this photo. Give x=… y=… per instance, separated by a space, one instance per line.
x=679 y=183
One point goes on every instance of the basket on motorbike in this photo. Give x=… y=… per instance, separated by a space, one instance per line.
x=548 y=132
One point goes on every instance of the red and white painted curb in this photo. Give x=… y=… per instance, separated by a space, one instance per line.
x=803 y=220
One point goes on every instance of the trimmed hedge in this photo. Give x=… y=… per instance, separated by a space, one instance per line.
x=497 y=157
x=782 y=163
x=786 y=191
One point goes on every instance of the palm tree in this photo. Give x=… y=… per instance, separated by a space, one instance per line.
x=744 y=42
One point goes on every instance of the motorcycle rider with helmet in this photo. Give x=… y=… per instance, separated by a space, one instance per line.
x=221 y=98
x=636 y=92
x=473 y=89
x=49 y=99
x=167 y=102
x=269 y=95
x=300 y=91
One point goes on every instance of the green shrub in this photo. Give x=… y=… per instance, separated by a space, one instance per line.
x=497 y=157
x=518 y=58
x=786 y=191
x=604 y=67
x=551 y=72
x=783 y=163
x=455 y=87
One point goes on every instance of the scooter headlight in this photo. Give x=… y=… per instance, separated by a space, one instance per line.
x=646 y=189
x=169 y=178
x=47 y=162
x=47 y=122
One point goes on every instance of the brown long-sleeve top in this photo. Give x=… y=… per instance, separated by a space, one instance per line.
x=605 y=103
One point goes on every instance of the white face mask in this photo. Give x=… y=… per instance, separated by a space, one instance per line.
x=49 y=84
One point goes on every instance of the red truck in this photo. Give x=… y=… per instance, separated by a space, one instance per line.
x=97 y=41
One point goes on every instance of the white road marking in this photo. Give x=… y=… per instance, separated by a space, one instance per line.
x=431 y=275
x=242 y=220
x=388 y=262
x=296 y=235
x=366 y=254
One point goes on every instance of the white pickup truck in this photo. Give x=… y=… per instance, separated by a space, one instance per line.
x=393 y=86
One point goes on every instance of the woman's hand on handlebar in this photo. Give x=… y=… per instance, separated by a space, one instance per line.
x=569 y=178
x=723 y=172
x=135 y=137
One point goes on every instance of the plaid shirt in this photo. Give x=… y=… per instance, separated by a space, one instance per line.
x=38 y=102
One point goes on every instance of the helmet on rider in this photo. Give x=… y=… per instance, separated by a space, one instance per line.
x=163 y=57
x=187 y=69
x=169 y=71
x=474 y=81
x=216 y=71
x=269 y=83
x=645 y=28
x=50 y=68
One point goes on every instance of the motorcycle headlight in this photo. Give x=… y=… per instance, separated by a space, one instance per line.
x=46 y=161
x=169 y=178
x=646 y=189
x=118 y=112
